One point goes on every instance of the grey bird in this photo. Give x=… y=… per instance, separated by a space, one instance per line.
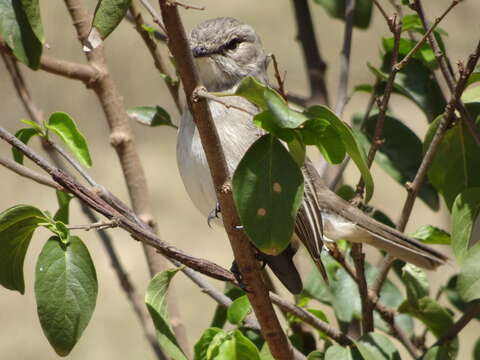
x=225 y=51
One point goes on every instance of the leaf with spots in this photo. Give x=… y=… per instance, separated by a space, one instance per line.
x=268 y=190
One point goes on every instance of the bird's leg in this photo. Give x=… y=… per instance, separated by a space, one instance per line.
x=238 y=276
x=214 y=214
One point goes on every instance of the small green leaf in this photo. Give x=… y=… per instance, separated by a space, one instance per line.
x=17 y=225
x=24 y=135
x=285 y=117
x=424 y=54
x=416 y=282
x=253 y=90
x=374 y=346
x=265 y=353
x=468 y=283
x=465 y=211
x=108 y=14
x=316 y=355
x=324 y=136
x=66 y=292
x=21 y=28
x=362 y=13
x=63 y=200
x=353 y=148
x=237 y=346
x=337 y=352
x=475 y=76
x=446 y=351
x=471 y=95
x=238 y=310
x=220 y=315
x=437 y=318
x=64 y=126
x=429 y=234
x=151 y=116
x=268 y=190
x=266 y=120
x=459 y=150
x=297 y=149
x=201 y=347
x=156 y=300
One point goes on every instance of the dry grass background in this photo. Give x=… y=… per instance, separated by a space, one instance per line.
x=114 y=332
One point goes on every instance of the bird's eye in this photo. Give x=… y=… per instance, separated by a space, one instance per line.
x=232 y=44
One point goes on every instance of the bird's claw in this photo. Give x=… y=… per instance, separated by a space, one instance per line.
x=238 y=276
x=213 y=215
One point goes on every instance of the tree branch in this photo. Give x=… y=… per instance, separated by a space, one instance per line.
x=316 y=67
x=452 y=333
x=257 y=294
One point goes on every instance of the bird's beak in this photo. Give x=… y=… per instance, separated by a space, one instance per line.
x=199 y=51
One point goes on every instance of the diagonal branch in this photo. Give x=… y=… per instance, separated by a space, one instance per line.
x=258 y=295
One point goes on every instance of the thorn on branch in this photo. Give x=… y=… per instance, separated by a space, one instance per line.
x=280 y=80
x=185 y=6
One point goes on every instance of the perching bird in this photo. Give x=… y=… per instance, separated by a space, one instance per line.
x=225 y=51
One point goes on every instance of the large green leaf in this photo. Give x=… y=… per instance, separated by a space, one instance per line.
x=64 y=126
x=63 y=211
x=238 y=310
x=416 y=282
x=233 y=345
x=429 y=234
x=465 y=211
x=401 y=155
x=415 y=82
x=156 y=301
x=324 y=136
x=151 y=116
x=284 y=117
x=361 y=16
x=21 y=28
x=352 y=146
x=459 y=150
x=17 y=225
x=66 y=291
x=468 y=283
x=24 y=135
x=374 y=346
x=108 y=14
x=268 y=190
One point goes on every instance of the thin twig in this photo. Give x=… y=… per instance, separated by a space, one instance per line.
x=153 y=13
x=280 y=79
x=471 y=313
x=29 y=173
x=384 y=14
x=201 y=92
x=316 y=67
x=99 y=225
x=345 y=58
x=242 y=250
x=420 y=43
x=152 y=47
x=183 y=5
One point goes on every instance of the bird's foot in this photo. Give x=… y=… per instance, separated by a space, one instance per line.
x=213 y=214
x=238 y=276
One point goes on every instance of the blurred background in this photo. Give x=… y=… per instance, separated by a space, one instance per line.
x=114 y=332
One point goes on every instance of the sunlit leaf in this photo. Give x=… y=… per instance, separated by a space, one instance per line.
x=375 y=346
x=24 y=135
x=108 y=14
x=151 y=116
x=238 y=310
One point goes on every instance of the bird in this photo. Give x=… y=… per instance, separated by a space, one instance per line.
x=225 y=51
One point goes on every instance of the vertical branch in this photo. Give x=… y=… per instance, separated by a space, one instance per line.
x=345 y=58
x=257 y=294
x=121 y=138
x=316 y=67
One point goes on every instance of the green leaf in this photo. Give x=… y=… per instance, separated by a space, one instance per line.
x=265 y=353
x=268 y=190
x=362 y=13
x=453 y=296
x=429 y=234
x=24 y=135
x=416 y=282
x=337 y=352
x=374 y=346
x=416 y=83
x=471 y=95
x=151 y=116
x=446 y=351
x=474 y=76
x=108 y=14
x=66 y=291
x=468 y=283
x=232 y=346
x=64 y=126
x=437 y=318
x=324 y=136
x=459 y=150
x=21 y=28
x=465 y=211
x=156 y=301
x=253 y=90
x=266 y=120
x=353 y=148
x=425 y=54
x=285 y=118
x=220 y=315
x=476 y=350
x=201 y=347
x=400 y=155
x=238 y=310
x=63 y=200
x=17 y=225
x=316 y=355
x=297 y=149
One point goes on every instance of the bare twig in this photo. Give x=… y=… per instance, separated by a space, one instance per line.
x=258 y=295
x=99 y=225
x=185 y=6
x=201 y=92
x=471 y=313
x=384 y=14
x=280 y=79
x=345 y=58
x=316 y=67
x=29 y=173
x=153 y=13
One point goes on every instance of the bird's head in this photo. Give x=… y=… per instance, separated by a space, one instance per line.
x=225 y=51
